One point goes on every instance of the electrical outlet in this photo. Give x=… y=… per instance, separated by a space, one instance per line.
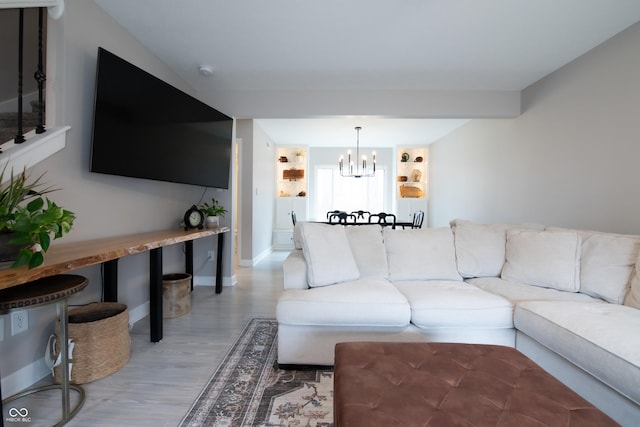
x=1 y=329
x=19 y=322
x=210 y=256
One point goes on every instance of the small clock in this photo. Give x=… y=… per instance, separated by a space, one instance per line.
x=193 y=218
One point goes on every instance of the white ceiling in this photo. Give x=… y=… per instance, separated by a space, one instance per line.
x=328 y=59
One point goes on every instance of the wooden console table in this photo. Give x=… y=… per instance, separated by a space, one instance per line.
x=62 y=258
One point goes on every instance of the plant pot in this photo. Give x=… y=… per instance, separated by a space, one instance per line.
x=212 y=222
x=8 y=252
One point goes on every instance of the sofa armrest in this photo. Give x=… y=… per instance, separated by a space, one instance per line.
x=295 y=271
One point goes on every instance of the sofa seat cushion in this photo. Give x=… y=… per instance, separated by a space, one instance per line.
x=363 y=302
x=517 y=292
x=452 y=304
x=602 y=339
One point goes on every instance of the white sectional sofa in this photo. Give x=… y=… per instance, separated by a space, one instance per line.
x=569 y=299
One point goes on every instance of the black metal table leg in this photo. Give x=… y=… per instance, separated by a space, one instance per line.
x=155 y=294
x=1 y=407
x=219 y=264
x=110 y=280
x=188 y=259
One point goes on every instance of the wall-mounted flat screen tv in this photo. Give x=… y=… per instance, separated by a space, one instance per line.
x=145 y=128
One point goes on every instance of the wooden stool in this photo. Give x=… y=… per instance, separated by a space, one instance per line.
x=46 y=291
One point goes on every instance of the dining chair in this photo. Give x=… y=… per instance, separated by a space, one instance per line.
x=342 y=218
x=416 y=221
x=361 y=214
x=383 y=219
x=418 y=217
x=333 y=212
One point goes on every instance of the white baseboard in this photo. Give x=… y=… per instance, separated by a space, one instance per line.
x=24 y=378
x=139 y=312
x=254 y=261
x=38 y=370
x=211 y=281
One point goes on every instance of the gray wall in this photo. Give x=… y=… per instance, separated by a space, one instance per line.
x=244 y=132
x=257 y=192
x=105 y=205
x=263 y=192
x=571 y=158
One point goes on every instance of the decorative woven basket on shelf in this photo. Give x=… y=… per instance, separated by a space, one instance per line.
x=410 y=191
x=102 y=345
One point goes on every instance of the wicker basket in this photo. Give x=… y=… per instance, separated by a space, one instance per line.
x=176 y=295
x=102 y=345
x=410 y=191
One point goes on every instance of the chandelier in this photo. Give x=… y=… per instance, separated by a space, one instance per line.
x=353 y=170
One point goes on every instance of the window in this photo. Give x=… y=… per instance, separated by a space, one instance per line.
x=347 y=194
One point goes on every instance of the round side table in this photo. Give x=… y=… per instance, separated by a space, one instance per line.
x=47 y=291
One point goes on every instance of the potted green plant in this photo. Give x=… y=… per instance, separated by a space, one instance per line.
x=28 y=220
x=213 y=211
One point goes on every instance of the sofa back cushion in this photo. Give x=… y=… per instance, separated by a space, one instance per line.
x=480 y=248
x=420 y=254
x=632 y=299
x=543 y=258
x=606 y=263
x=297 y=235
x=328 y=254
x=368 y=250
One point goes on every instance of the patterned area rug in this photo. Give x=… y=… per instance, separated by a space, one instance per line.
x=248 y=389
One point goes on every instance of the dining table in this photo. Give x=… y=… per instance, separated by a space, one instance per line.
x=401 y=224
x=357 y=218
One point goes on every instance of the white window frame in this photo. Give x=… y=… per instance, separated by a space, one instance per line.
x=339 y=185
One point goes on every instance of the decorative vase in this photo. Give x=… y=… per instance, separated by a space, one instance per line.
x=212 y=222
x=8 y=252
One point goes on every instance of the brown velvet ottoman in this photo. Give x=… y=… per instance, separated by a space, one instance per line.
x=442 y=384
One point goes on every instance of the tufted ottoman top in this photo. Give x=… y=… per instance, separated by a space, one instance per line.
x=443 y=384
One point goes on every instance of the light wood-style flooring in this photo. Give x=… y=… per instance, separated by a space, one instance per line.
x=162 y=380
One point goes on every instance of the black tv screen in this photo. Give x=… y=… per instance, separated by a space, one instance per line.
x=146 y=128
